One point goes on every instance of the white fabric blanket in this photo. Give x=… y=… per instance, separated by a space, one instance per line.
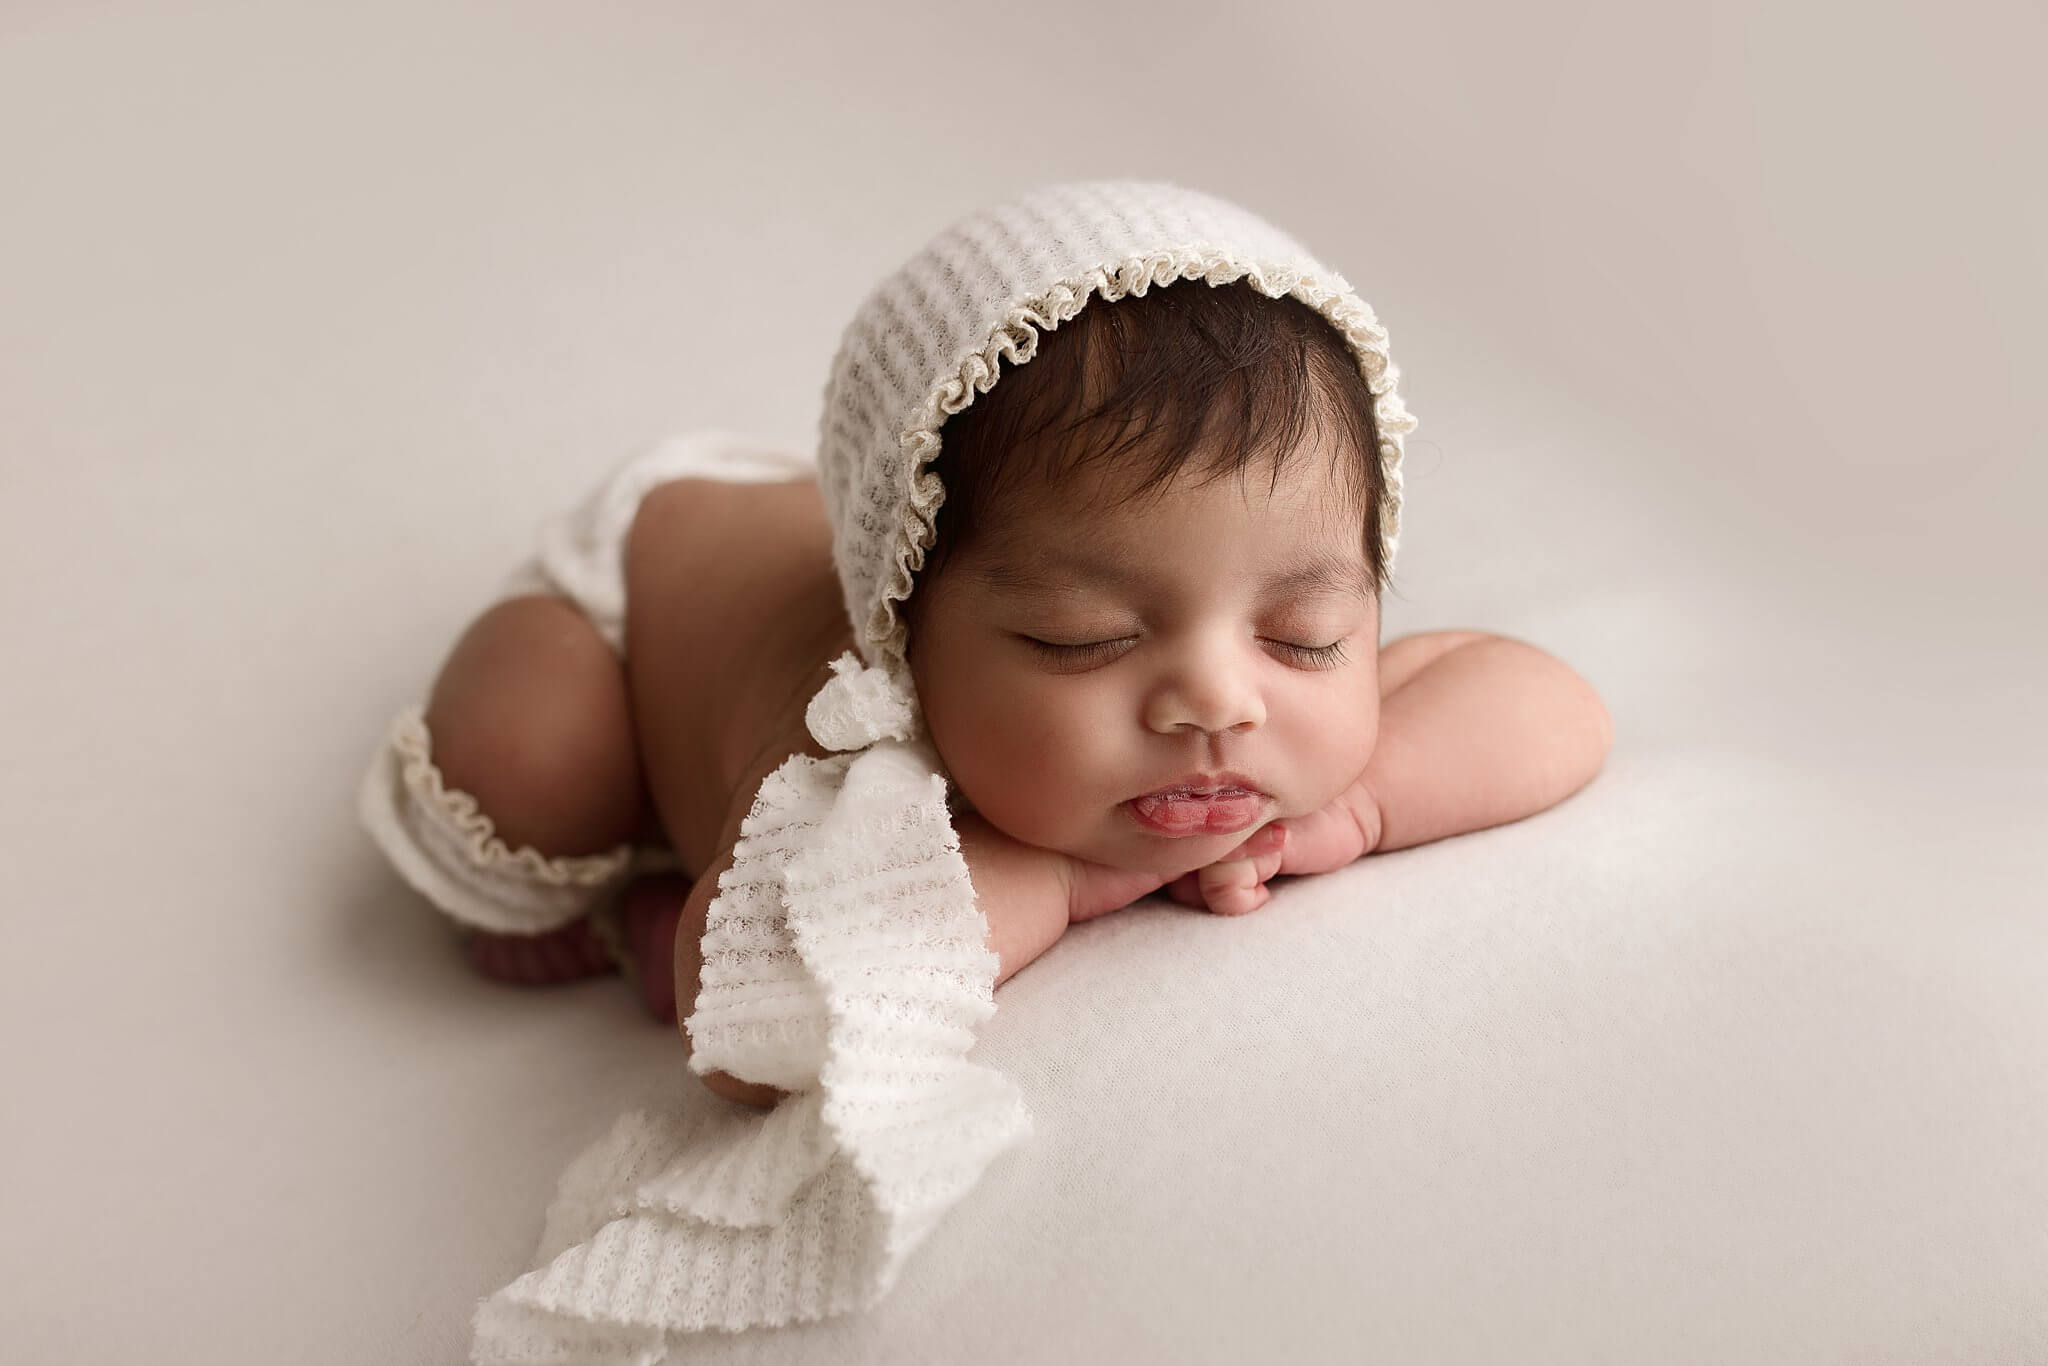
x=845 y=961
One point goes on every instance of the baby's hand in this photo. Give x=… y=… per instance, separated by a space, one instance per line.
x=1320 y=842
x=1235 y=883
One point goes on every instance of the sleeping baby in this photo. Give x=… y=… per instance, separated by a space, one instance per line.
x=1107 y=494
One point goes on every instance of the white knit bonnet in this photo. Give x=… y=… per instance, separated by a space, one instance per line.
x=930 y=337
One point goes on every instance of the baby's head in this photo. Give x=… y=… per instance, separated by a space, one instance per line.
x=1114 y=477
x=1159 y=556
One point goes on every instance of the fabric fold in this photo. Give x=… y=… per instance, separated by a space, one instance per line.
x=845 y=961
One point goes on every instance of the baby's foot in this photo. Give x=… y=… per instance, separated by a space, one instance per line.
x=651 y=909
x=568 y=954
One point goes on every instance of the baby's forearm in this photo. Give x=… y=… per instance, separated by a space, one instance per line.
x=1488 y=732
x=1030 y=895
x=1020 y=891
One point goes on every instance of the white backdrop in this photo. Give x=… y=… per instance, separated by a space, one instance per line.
x=1723 y=325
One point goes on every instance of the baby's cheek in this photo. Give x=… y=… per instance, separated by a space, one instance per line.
x=983 y=750
x=1035 y=765
x=1332 y=743
x=1040 y=755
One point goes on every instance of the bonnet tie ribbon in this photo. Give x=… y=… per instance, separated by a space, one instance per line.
x=858 y=707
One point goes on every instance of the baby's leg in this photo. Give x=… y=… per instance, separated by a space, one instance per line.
x=530 y=716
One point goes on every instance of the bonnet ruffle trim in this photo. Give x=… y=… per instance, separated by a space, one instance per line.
x=845 y=961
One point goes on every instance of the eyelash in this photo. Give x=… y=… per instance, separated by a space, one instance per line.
x=1318 y=655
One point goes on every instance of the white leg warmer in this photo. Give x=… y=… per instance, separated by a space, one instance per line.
x=450 y=852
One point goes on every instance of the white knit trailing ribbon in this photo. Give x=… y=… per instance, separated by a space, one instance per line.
x=845 y=961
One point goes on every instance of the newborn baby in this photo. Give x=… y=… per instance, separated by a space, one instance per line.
x=1145 y=640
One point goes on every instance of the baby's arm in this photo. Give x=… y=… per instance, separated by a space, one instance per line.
x=1030 y=895
x=1020 y=889
x=1488 y=732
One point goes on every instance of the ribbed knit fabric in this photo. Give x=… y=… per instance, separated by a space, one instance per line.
x=845 y=957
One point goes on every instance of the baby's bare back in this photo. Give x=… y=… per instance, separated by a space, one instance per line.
x=733 y=614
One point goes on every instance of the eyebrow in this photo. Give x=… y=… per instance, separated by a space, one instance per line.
x=1047 y=574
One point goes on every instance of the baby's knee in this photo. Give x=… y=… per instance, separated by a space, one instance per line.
x=530 y=716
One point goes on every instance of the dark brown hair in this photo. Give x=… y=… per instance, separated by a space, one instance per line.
x=1186 y=368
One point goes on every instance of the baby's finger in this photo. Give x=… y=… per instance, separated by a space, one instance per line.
x=1269 y=863
x=1187 y=890
x=1232 y=888
x=1242 y=901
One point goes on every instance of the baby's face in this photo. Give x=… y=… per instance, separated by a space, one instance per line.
x=1226 y=628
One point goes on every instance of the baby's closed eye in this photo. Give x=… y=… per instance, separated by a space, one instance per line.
x=1323 y=655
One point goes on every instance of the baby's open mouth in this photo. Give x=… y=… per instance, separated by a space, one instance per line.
x=1217 y=810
